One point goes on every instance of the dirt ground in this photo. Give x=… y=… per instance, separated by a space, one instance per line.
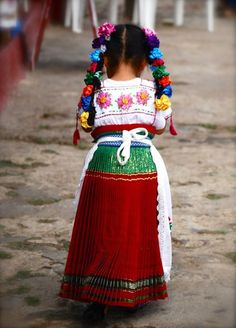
x=40 y=169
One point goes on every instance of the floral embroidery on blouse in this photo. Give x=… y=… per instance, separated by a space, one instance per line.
x=103 y=99
x=125 y=101
x=142 y=97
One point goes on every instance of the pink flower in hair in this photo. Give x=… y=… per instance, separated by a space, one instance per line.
x=124 y=101
x=106 y=29
x=149 y=32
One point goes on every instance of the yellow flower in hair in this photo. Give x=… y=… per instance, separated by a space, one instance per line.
x=163 y=103
x=84 y=120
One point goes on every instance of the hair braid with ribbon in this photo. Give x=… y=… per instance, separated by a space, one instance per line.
x=86 y=110
x=160 y=76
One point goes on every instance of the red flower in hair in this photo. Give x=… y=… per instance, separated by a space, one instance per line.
x=93 y=67
x=158 y=62
x=88 y=90
x=164 y=81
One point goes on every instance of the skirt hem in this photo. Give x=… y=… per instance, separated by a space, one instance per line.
x=113 y=303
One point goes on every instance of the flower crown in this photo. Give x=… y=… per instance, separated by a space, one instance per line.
x=94 y=75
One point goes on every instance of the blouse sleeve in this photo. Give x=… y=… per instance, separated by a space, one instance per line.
x=161 y=118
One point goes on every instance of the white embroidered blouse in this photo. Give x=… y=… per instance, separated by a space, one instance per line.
x=128 y=102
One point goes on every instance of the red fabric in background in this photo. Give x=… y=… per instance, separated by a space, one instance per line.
x=11 y=68
x=34 y=27
x=57 y=12
x=23 y=49
x=115 y=236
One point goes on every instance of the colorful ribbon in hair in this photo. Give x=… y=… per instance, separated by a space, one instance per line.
x=161 y=77
x=92 y=80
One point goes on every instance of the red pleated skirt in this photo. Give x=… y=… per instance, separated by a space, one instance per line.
x=114 y=255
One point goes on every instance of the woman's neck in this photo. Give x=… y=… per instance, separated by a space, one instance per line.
x=124 y=72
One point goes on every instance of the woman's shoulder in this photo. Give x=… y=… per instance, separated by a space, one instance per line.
x=148 y=83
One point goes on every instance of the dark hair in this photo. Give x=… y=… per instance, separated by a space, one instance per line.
x=127 y=44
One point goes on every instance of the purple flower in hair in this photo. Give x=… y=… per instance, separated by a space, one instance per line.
x=98 y=42
x=153 y=41
x=106 y=29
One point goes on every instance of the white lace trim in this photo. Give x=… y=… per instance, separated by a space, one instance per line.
x=88 y=159
x=164 y=208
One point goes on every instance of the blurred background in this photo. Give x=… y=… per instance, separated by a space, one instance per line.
x=23 y=23
x=44 y=49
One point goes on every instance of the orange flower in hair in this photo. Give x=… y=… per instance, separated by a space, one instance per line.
x=164 y=81
x=88 y=90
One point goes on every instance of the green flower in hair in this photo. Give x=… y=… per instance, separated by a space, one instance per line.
x=89 y=78
x=160 y=72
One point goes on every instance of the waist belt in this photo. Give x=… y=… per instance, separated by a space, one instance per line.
x=123 y=152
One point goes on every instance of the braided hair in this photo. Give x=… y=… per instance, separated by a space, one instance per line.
x=123 y=43
x=160 y=76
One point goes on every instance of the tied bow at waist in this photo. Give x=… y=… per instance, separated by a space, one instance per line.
x=123 y=152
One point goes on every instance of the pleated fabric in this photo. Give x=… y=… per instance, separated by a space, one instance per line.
x=114 y=255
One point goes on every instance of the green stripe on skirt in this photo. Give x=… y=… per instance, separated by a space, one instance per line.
x=105 y=160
